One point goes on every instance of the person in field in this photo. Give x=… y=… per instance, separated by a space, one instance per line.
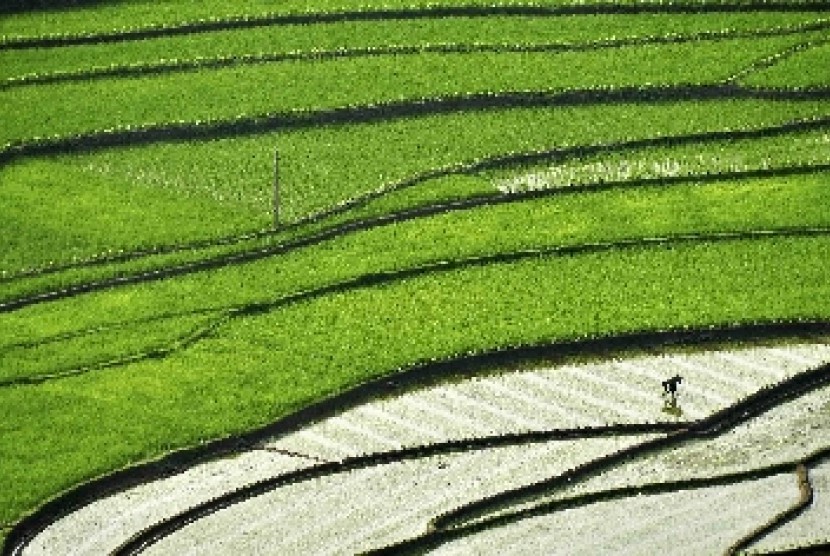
x=670 y=389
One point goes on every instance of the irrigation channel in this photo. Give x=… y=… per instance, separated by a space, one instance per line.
x=581 y=450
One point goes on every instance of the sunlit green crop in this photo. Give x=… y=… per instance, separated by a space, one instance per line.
x=653 y=171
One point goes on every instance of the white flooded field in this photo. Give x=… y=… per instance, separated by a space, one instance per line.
x=572 y=396
x=790 y=432
x=374 y=503
x=694 y=522
x=355 y=511
x=814 y=523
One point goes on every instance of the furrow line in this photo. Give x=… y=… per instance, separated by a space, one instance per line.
x=389 y=418
x=535 y=404
x=434 y=417
x=496 y=411
x=153 y=534
x=576 y=395
x=771 y=371
x=435 y=537
x=634 y=398
x=429 y=402
x=432 y=12
x=567 y=409
x=556 y=154
x=466 y=365
x=708 y=427
x=728 y=380
x=171 y=66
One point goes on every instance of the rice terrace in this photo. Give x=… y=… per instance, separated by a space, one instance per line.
x=410 y=276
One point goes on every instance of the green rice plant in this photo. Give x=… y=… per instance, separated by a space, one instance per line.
x=358 y=284
x=69 y=213
x=530 y=225
x=806 y=68
x=99 y=348
x=218 y=188
x=235 y=46
x=700 y=158
x=147 y=14
x=229 y=93
x=263 y=367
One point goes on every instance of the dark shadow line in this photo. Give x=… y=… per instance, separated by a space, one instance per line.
x=467 y=365
x=433 y=539
x=390 y=110
x=817 y=549
x=709 y=427
x=153 y=534
x=249 y=22
x=387 y=277
x=791 y=513
x=489 y=163
x=163 y=67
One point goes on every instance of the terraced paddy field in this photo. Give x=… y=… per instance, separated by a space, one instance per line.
x=347 y=277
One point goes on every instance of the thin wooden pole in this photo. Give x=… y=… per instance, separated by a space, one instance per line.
x=276 y=189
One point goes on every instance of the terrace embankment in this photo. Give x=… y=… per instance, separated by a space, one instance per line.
x=444 y=443
x=289 y=215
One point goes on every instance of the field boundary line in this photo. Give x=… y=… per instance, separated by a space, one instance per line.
x=774 y=59
x=482 y=514
x=805 y=498
x=143 y=539
x=462 y=365
x=374 y=278
x=422 y=211
x=198 y=333
x=436 y=538
x=487 y=163
x=570 y=153
x=103 y=328
x=153 y=534
x=189 y=64
x=434 y=12
x=709 y=427
x=161 y=351
x=242 y=125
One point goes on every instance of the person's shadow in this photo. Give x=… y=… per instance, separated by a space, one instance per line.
x=670 y=406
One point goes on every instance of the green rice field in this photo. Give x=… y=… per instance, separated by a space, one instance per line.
x=224 y=221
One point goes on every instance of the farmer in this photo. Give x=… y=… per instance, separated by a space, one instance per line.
x=670 y=389
x=670 y=385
